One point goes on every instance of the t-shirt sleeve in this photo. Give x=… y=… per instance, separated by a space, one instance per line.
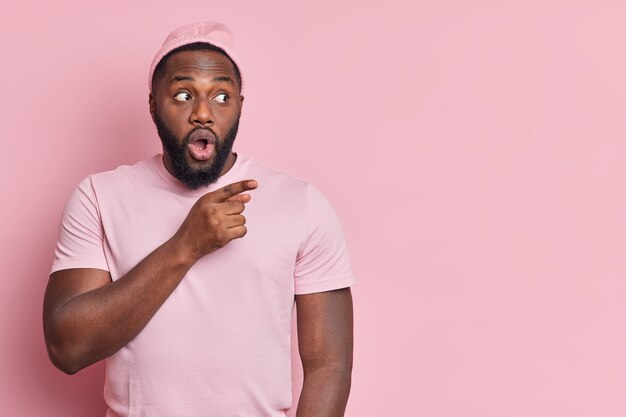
x=81 y=237
x=322 y=263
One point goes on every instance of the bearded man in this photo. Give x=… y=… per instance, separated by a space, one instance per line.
x=158 y=271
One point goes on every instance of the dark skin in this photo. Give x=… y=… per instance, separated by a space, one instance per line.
x=88 y=317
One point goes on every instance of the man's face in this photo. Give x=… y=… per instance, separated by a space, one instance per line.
x=196 y=108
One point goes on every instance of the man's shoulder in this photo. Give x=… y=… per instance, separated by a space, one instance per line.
x=253 y=168
x=122 y=181
x=282 y=188
x=125 y=170
x=139 y=171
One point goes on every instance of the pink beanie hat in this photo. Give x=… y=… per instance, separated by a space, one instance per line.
x=213 y=33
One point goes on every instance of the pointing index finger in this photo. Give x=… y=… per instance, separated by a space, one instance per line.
x=224 y=193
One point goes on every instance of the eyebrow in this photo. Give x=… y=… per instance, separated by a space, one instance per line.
x=223 y=78
x=181 y=78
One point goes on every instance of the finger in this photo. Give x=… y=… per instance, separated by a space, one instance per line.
x=237 y=232
x=244 y=198
x=235 y=221
x=226 y=192
x=233 y=207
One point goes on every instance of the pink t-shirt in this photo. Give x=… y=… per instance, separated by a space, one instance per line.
x=220 y=344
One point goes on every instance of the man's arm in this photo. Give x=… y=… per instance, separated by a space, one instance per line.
x=88 y=318
x=325 y=342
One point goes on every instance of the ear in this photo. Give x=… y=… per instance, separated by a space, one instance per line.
x=241 y=103
x=152 y=105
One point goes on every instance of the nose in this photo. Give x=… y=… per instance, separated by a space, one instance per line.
x=202 y=114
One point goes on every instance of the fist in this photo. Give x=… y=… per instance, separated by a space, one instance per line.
x=216 y=219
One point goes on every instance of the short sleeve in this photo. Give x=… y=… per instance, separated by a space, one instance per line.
x=81 y=237
x=322 y=263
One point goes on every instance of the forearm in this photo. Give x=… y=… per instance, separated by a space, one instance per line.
x=326 y=345
x=325 y=392
x=96 y=324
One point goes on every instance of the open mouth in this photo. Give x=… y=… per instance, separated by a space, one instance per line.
x=201 y=144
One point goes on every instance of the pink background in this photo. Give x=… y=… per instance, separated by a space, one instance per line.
x=474 y=150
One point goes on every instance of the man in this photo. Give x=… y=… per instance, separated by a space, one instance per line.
x=158 y=271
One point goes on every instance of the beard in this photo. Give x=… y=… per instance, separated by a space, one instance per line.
x=210 y=171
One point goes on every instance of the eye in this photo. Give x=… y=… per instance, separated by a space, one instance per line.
x=221 y=98
x=182 y=96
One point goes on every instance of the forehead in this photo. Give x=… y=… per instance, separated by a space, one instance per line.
x=202 y=62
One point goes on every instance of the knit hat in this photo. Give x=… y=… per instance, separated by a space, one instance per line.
x=213 y=33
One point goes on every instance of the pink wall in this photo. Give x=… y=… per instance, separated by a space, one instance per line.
x=474 y=150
